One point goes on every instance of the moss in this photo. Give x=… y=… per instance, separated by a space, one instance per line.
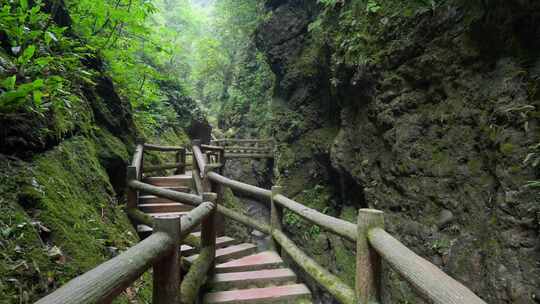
x=345 y=261
x=474 y=165
x=308 y=62
x=71 y=222
x=78 y=194
x=507 y=148
x=233 y=228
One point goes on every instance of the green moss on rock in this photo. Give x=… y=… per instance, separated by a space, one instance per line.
x=60 y=217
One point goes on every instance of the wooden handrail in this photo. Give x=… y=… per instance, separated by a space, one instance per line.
x=243 y=219
x=243 y=140
x=186 y=198
x=162 y=167
x=432 y=283
x=247 y=148
x=372 y=241
x=108 y=280
x=212 y=148
x=151 y=147
x=248 y=155
x=332 y=224
x=424 y=276
x=241 y=187
x=138 y=160
x=198 y=157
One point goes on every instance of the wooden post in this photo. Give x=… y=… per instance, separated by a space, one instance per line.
x=167 y=271
x=276 y=213
x=368 y=261
x=222 y=160
x=183 y=161
x=131 y=194
x=208 y=225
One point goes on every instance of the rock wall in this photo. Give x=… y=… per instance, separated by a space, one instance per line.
x=432 y=127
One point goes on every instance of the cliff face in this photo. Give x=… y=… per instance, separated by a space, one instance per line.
x=431 y=124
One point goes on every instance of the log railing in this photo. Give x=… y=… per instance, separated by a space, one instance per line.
x=246 y=148
x=373 y=244
x=161 y=249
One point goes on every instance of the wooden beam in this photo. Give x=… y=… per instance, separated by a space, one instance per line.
x=240 y=187
x=243 y=140
x=181 y=197
x=240 y=148
x=213 y=148
x=208 y=225
x=166 y=271
x=196 y=276
x=248 y=221
x=190 y=221
x=195 y=217
x=338 y=226
x=137 y=161
x=131 y=194
x=163 y=167
x=139 y=217
x=198 y=156
x=341 y=291
x=182 y=160
x=211 y=167
x=248 y=155
x=151 y=147
x=103 y=283
x=368 y=261
x=276 y=214
x=431 y=282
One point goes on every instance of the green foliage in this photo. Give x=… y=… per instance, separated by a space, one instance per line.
x=45 y=61
x=229 y=77
x=373 y=6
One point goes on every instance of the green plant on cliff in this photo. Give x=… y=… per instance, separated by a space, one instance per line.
x=46 y=62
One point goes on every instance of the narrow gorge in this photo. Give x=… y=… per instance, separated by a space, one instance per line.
x=427 y=110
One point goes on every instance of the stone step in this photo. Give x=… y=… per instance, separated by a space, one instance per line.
x=169 y=181
x=228 y=253
x=163 y=208
x=225 y=241
x=151 y=199
x=252 y=279
x=221 y=242
x=188 y=250
x=297 y=293
x=165 y=214
x=178 y=189
x=259 y=261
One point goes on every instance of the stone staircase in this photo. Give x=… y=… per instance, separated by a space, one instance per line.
x=242 y=274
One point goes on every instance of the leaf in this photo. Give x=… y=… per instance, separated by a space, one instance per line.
x=38 y=97
x=52 y=36
x=27 y=54
x=23 y=4
x=9 y=83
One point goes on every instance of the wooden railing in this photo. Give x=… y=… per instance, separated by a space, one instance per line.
x=246 y=148
x=161 y=249
x=373 y=244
